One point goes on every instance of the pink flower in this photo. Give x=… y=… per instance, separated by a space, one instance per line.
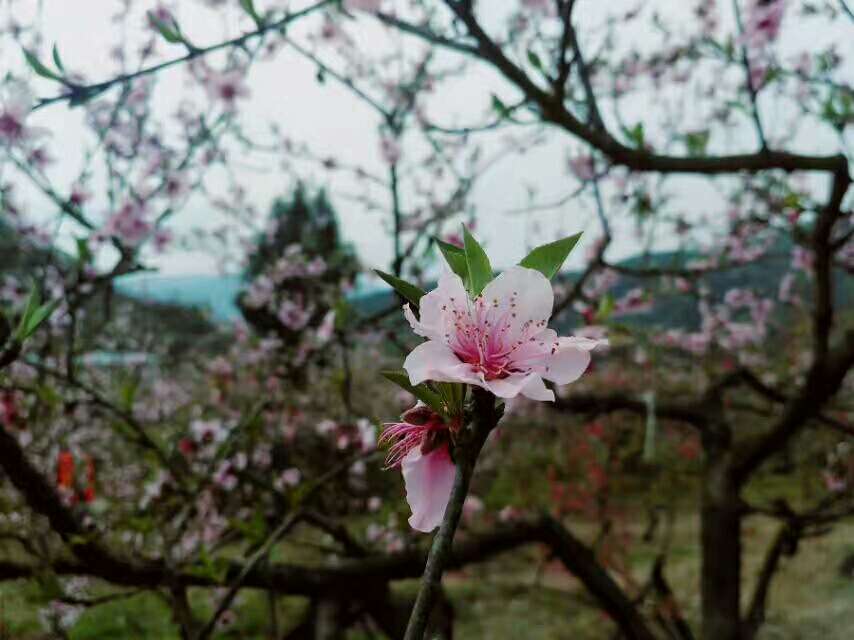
x=834 y=483
x=583 y=167
x=390 y=150
x=128 y=225
x=16 y=101
x=162 y=240
x=227 y=86
x=326 y=329
x=420 y=449
x=290 y=477
x=499 y=341
x=429 y=479
x=802 y=259
x=763 y=21
x=472 y=507
x=293 y=315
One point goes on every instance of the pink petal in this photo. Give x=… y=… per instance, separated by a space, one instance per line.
x=529 y=290
x=570 y=360
x=434 y=360
x=429 y=480
x=435 y=307
x=529 y=385
x=19 y=100
x=536 y=389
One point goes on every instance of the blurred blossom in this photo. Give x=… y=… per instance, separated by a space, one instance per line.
x=390 y=149
x=16 y=101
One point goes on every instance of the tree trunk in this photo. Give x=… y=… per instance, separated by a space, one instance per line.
x=721 y=552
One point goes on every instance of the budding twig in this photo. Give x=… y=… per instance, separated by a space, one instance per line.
x=469 y=444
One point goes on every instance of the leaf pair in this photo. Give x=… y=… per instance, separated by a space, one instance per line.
x=34 y=315
x=42 y=69
x=469 y=262
x=472 y=265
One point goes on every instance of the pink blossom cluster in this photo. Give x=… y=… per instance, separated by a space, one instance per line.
x=740 y=322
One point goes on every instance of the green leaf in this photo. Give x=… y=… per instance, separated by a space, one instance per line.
x=57 y=60
x=169 y=33
x=407 y=290
x=33 y=303
x=249 y=8
x=696 y=142
x=635 y=134
x=127 y=393
x=84 y=255
x=606 y=308
x=480 y=271
x=453 y=395
x=344 y=311
x=499 y=107
x=421 y=391
x=456 y=259
x=534 y=59
x=39 y=67
x=38 y=317
x=549 y=258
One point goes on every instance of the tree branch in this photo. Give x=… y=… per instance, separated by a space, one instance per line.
x=610 y=403
x=84 y=92
x=553 y=110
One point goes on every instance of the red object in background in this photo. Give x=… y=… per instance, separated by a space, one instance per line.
x=8 y=410
x=89 y=492
x=65 y=470
x=186 y=446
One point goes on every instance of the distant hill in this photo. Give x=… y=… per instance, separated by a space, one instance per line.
x=215 y=295
x=190 y=306
x=176 y=326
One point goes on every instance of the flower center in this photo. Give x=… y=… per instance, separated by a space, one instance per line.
x=483 y=337
x=10 y=127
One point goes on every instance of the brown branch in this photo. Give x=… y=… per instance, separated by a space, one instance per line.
x=672 y=613
x=783 y=544
x=80 y=93
x=610 y=403
x=581 y=562
x=344 y=577
x=553 y=110
x=824 y=379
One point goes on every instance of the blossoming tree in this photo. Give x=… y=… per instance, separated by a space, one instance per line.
x=709 y=142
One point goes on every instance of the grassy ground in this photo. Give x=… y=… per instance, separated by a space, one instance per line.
x=517 y=596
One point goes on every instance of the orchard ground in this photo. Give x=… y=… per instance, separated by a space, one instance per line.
x=523 y=593
x=515 y=595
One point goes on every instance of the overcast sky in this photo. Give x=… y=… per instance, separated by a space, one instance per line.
x=333 y=123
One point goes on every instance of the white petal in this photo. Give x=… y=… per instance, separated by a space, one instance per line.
x=570 y=359
x=529 y=385
x=536 y=389
x=435 y=361
x=436 y=307
x=523 y=296
x=416 y=325
x=19 y=100
x=429 y=480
